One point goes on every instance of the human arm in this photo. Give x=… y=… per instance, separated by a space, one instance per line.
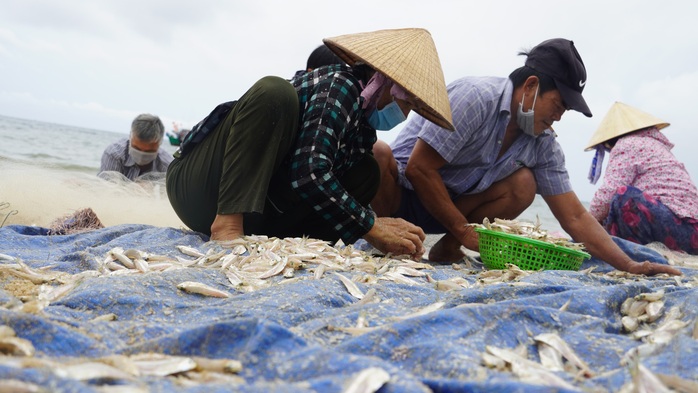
x=422 y=171
x=583 y=227
x=333 y=137
x=111 y=161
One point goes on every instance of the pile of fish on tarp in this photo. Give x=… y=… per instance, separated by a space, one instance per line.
x=135 y=308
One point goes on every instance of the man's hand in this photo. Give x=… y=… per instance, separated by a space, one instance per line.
x=469 y=238
x=397 y=236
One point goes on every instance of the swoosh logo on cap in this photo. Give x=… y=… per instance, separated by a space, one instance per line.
x=582 y=83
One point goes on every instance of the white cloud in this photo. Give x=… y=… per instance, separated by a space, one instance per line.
x=97 y=64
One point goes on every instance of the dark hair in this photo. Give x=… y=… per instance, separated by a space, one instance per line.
x=519 y=76
x=611 y=143
x=322 y=55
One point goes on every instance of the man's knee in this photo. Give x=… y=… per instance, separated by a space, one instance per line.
x=523 y=186
x=383 y=154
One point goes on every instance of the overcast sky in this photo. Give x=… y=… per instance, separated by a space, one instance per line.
x=97 y=64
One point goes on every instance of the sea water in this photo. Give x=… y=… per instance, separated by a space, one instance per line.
x=48 y=171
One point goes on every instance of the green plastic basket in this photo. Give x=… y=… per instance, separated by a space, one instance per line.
x=499 y=248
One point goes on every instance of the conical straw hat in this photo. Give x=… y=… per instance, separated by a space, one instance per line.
x=620 y=120
x=408 y=57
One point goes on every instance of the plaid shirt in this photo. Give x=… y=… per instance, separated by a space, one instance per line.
x=331 y=139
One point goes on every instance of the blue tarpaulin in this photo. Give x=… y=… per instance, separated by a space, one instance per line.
x=294 y=335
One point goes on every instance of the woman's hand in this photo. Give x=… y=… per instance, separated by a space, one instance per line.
x=397 y=236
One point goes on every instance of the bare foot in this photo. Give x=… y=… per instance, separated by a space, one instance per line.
x=445 y=251
x=227 y=227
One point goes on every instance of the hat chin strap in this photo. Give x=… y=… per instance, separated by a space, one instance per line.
x=375 y=87
x=596 y=164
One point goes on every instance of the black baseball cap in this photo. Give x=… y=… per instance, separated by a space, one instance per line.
x=559 y=59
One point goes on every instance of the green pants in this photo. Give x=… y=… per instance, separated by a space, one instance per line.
x=242 y=167
x=229 y=171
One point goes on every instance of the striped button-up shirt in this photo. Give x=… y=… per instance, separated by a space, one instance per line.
x=333 y=136
x=481 y=112
x=116 y=158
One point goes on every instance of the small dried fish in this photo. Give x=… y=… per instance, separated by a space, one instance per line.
x=399 y=278
x=6 y=331
x=91 y=370
x=105 y=317
x=424 y=311
x=201 y=289
x=645 y=381
x=276 y=269
x=354 y=331
x=350 y=286
x=550 y=358
x=630 y=324
x=529 y=371
x=654 y=310
x=447 y=285
x=368 y=297
x=6 y=257
x=368 y=381
x=118 y=254
x=191 y=251
x=677 y=383
x=18 y=386
x=319 y=271
x=16 y=346
x=528 y=230
x=565 y=306
x=555 y=341
x=162 y=365
x=650 y=296
x=493 y=362
x=637 y=308
x=230 y=366
x=141 y=265
x=409 y=271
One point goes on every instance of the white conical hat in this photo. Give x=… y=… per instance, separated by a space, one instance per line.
x=622 y=119
x=408 y=57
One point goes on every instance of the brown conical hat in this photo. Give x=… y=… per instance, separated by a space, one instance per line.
x=408 y=57
x=620 y=120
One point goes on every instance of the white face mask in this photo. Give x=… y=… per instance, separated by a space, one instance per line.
x=141 y=157
x=526 y=120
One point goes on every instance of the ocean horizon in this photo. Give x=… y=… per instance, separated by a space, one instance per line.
x=52 y=161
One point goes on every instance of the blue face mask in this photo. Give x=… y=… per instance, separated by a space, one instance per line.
x=386 y=118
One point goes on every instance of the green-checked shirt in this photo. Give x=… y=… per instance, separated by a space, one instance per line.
x=333 y=136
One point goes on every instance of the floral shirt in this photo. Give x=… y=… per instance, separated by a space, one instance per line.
x=333 y=136
x=643 y=159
